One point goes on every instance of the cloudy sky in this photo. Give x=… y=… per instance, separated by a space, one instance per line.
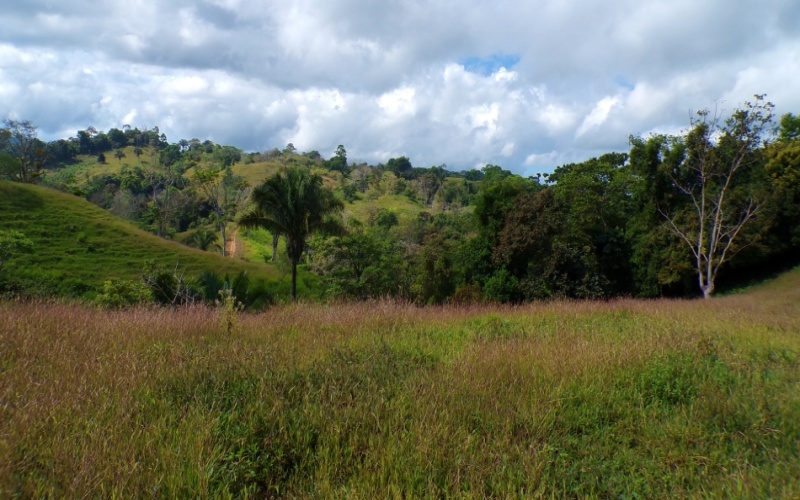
x=526 y=84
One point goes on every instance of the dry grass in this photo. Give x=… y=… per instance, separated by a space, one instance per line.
x=621 y=398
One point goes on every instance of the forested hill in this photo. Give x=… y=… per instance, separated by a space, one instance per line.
x=680 y=215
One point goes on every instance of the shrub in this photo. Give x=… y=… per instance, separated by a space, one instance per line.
x=502 y=287
x=119 y=294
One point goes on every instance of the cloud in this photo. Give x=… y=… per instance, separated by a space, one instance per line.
x=527 y=85
x=599 y=114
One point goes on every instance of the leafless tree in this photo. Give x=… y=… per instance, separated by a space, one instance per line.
x=717 y=215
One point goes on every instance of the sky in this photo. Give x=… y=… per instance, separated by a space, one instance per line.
x=526 y=84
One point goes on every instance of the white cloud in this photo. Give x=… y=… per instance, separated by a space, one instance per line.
x=563 y=81
x=398 y=102
x=599 y=114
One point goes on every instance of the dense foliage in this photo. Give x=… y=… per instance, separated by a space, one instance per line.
x=673 y=216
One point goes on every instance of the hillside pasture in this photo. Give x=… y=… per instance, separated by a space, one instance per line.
x=77 y=245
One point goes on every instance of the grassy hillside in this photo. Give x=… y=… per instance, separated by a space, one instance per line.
x=87 y=166
x=78 y=245
x=613 y=399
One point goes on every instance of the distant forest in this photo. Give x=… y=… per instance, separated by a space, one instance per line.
x=676 y=215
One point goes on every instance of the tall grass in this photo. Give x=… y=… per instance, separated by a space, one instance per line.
x=622 y=398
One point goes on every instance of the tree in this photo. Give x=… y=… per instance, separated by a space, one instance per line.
x=365 y=263
x=225 y=194
x=227 y=155
x=18 y=140
x=339 y=160
x=400 y=166
x=117 y=138
x=496 y=198
x=295 y=204
x=341 y=154
x=719 y=209
x=527 y=232
x=660 y=263
x=790 y=128
x=429 y=185
x=204 y=240
x=783 y=169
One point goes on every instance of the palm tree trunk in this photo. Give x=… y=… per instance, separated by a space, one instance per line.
x=294 y=281
x=224 y=239
x=274 y=246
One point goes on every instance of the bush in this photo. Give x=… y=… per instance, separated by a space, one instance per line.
x=119 y=294
x=502 y=287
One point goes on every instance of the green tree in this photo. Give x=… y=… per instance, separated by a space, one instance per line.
x=594 y=197
x=295 y=204
x=496 y=198
x=660 y=264
x=363 y=263
x=18 y=140
x=400 y=166
x=783 y=170
x=789 y=128
x=339 y=160
x=227 y=155
x=526 y=238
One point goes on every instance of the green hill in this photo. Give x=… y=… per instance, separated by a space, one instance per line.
x=78 y=245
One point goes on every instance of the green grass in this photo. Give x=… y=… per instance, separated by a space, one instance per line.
x=405 y=209
x=78 y=245
x=255 y=173
x=576 y=399
x=86 y=166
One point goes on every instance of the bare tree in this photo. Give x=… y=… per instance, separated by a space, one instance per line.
x=714 y=222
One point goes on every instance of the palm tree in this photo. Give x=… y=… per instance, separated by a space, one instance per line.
x=294 y=204
x=204 y=240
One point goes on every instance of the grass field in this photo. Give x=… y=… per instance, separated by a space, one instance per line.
x=373 y=400
x=78 y=245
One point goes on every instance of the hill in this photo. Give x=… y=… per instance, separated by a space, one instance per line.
x=78 y=245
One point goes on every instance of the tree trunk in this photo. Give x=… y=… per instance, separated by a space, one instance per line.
x=274 y=246
x=294 y=281
x=224 y=240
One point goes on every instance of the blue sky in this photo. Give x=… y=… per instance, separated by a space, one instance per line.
x=486 y=66
x=526 y=85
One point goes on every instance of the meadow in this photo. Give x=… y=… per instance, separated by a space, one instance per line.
x=378 y=400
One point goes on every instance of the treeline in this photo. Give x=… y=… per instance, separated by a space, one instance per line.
x=673 y=216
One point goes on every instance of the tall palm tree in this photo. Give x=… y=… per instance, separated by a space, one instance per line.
x=294 y=203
